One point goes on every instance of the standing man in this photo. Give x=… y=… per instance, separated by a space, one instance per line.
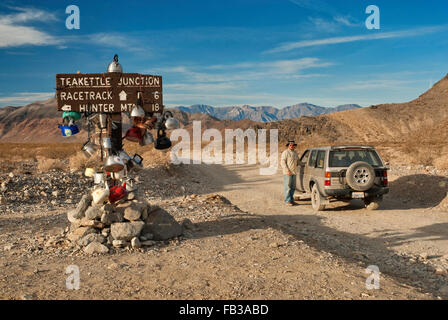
x=290 y=162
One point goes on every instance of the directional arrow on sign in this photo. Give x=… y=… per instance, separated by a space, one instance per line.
x=123 y=96
x=66 y=107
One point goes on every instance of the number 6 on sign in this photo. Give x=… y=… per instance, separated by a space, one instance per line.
x=156 y=95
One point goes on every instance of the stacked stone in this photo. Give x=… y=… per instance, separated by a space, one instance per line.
x=131 y=223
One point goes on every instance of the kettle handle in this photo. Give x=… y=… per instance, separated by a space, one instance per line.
x=161 y=135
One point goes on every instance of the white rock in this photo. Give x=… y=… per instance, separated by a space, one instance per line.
x=91 y=237
x=126 y=230
x=135 y=243
x=96 y=247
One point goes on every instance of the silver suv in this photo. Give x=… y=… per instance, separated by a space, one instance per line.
x=342 y=173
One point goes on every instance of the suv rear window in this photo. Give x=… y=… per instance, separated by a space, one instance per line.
x=344 y=158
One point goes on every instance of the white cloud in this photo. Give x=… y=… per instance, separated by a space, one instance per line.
x=201 y=86
x=375 y=84
x=346 y=21
x=316 y=5
x=27 y=15
x=13 y=33
x=26 y=97
x=373 y=36
x=249 y=71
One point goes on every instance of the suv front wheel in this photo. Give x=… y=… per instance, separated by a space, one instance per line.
x=316 y=199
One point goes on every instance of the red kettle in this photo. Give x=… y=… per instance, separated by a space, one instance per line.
x=117 y=193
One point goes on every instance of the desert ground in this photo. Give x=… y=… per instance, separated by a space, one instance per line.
x=239 y=240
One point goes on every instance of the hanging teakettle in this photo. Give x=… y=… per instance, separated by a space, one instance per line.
x=114 y=164
x=68 y=131
x=162 y=141
x=89 y=149
x=68 y=127
x=134 y=134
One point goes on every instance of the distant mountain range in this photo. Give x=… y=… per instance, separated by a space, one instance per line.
x=264 y=114
x=38 y=121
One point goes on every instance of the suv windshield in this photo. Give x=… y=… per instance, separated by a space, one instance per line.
x=344 y=158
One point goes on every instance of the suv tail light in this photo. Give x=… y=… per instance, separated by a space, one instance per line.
x=385 y=180
x=327 y=179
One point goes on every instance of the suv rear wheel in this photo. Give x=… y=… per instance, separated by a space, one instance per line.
x=316 y=199
x=360 y=176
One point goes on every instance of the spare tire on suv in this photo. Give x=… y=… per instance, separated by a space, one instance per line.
x=360 y=176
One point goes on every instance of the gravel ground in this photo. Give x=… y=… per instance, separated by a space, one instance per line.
x=225 y=252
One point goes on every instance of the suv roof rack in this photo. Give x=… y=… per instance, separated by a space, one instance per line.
x=351 y=147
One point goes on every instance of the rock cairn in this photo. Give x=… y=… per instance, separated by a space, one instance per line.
x=126 y=224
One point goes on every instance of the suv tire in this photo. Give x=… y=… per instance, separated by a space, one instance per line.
x=316 y=199
x=360 y=176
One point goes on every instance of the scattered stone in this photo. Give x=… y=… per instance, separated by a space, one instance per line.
x=96 y=247
x=93 y=212
x=131 y=196
x=444 y=290
x=55 y=194
x=72 y=217
x=441 y=272
x=82 y=206
x=120 y=243
x=108 y=208
x=148 y=243
x=187 y=224
x=8 y=247
x=91 y=223
x=80 y=233
x=126 y=230
x=110 y=217
x=133 y=212
x=147 y=236
x=91 y=237
x=135 y=243
x=423 y=256
x=162 y=225
x=105 y=232
x=28 y=296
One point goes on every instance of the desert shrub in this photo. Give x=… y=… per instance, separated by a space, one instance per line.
x=46 y=164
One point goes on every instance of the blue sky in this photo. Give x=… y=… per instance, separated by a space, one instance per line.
x=221 y=53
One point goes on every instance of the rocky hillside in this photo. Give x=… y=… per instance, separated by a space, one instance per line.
x=264 y=114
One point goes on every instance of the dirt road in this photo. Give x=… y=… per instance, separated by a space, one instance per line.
x=402 y=238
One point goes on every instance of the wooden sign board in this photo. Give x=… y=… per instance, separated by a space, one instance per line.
x=108 y=92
